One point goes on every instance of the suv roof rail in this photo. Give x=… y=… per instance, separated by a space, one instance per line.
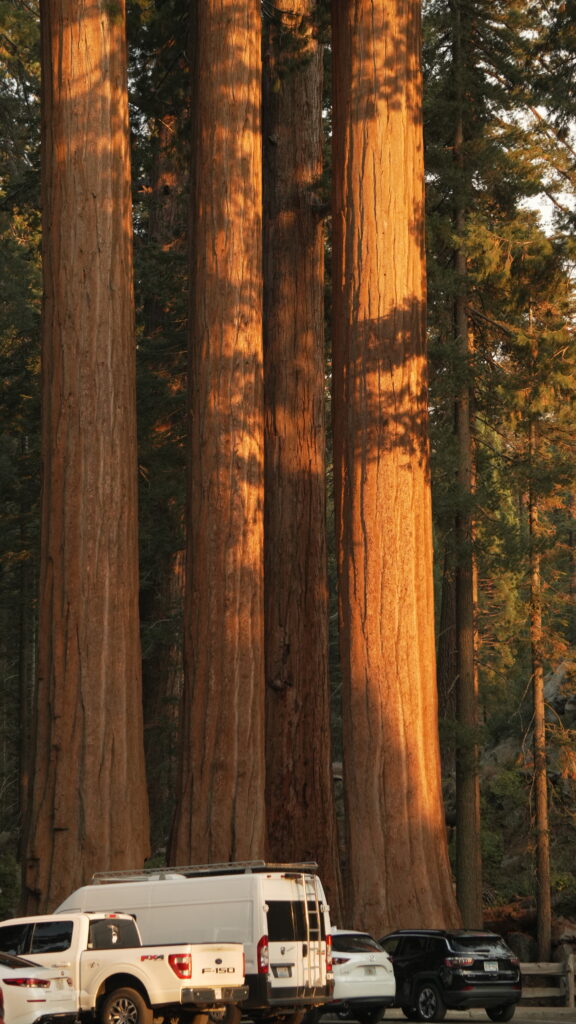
x=189 y=871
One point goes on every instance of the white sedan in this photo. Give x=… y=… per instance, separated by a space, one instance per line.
x=32 y=993
x=364 y=982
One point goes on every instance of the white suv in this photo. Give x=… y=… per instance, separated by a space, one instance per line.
x=364 y=982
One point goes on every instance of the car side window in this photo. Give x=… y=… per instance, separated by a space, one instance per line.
x=14 y=938
x=413 y=945
x=391 y=945
x=436 y=949
x=51 y=937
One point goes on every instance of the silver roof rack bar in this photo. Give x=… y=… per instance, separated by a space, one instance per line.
x=190 y=870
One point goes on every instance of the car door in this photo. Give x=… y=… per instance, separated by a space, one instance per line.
x=50 y=945
x=408 y=959
x=296 y=933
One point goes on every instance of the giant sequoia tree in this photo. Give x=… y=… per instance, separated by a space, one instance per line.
x=220 y=810
x=88 y=806
x=300 y=800
x=381 y=470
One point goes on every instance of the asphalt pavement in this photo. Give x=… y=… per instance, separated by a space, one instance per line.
x=523 y=1015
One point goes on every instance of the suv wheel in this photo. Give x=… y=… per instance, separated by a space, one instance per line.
x=371 y=1016
x=429 y=1005
x=501 y=1012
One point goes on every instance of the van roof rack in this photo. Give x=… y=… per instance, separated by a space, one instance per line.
x=189 y=871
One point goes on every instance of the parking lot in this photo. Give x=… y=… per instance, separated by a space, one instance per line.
x=523 y=1015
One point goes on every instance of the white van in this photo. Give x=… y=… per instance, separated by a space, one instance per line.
x=278 y=911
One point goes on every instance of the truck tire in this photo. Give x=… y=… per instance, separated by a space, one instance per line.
x=125 y=1006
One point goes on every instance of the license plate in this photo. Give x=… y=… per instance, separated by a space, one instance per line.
x=282 y=972
x=369 y=970
x=491 y=966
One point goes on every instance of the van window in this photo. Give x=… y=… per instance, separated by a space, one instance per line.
x=315 y=920
x=287 y=921
x=14 y=938
x=51 y=937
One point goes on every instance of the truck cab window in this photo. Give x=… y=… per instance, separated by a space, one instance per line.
x=113 y=934
x=51 y=937
x=14 y=938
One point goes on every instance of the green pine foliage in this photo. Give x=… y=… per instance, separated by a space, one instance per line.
x=20 y=298
x=479 y=61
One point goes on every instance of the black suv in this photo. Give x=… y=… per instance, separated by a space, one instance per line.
x=439 y=970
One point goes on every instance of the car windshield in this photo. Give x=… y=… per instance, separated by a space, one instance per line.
x=491 y=944
x=355 y=943
x=15 y=962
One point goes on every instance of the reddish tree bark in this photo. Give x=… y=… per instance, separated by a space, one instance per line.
x=541 y=821
x=162 y=596
x=468 y=844
x=398 y=872
x=299 y=791
x=220 y=812
x=88 y=805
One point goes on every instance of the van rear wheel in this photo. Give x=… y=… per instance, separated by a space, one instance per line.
x=125 y=1006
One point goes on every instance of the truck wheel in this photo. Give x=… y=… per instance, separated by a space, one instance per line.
x=125 y=1006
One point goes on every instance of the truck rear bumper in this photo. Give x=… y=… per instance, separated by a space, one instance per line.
x=215 y=996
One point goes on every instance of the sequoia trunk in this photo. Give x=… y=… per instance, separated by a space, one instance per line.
x=541 y=823
x=220 y=811
x=88 y=806
x=300 y=801
x=398 y=871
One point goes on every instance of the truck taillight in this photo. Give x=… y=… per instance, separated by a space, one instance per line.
x=329 y=953
x=263 y=955
x=181 y=964
x=27 y=982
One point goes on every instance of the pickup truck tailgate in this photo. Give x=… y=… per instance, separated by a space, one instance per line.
x=218 y=963
x=217 y=974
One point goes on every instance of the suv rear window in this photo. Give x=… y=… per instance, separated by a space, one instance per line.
x=491 y=944
x=355 y=944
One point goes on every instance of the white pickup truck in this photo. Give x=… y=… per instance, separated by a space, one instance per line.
x=120 y=981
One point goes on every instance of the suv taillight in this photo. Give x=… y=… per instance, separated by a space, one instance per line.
x=181 y=964
x=458 y=961
x=263 y=955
